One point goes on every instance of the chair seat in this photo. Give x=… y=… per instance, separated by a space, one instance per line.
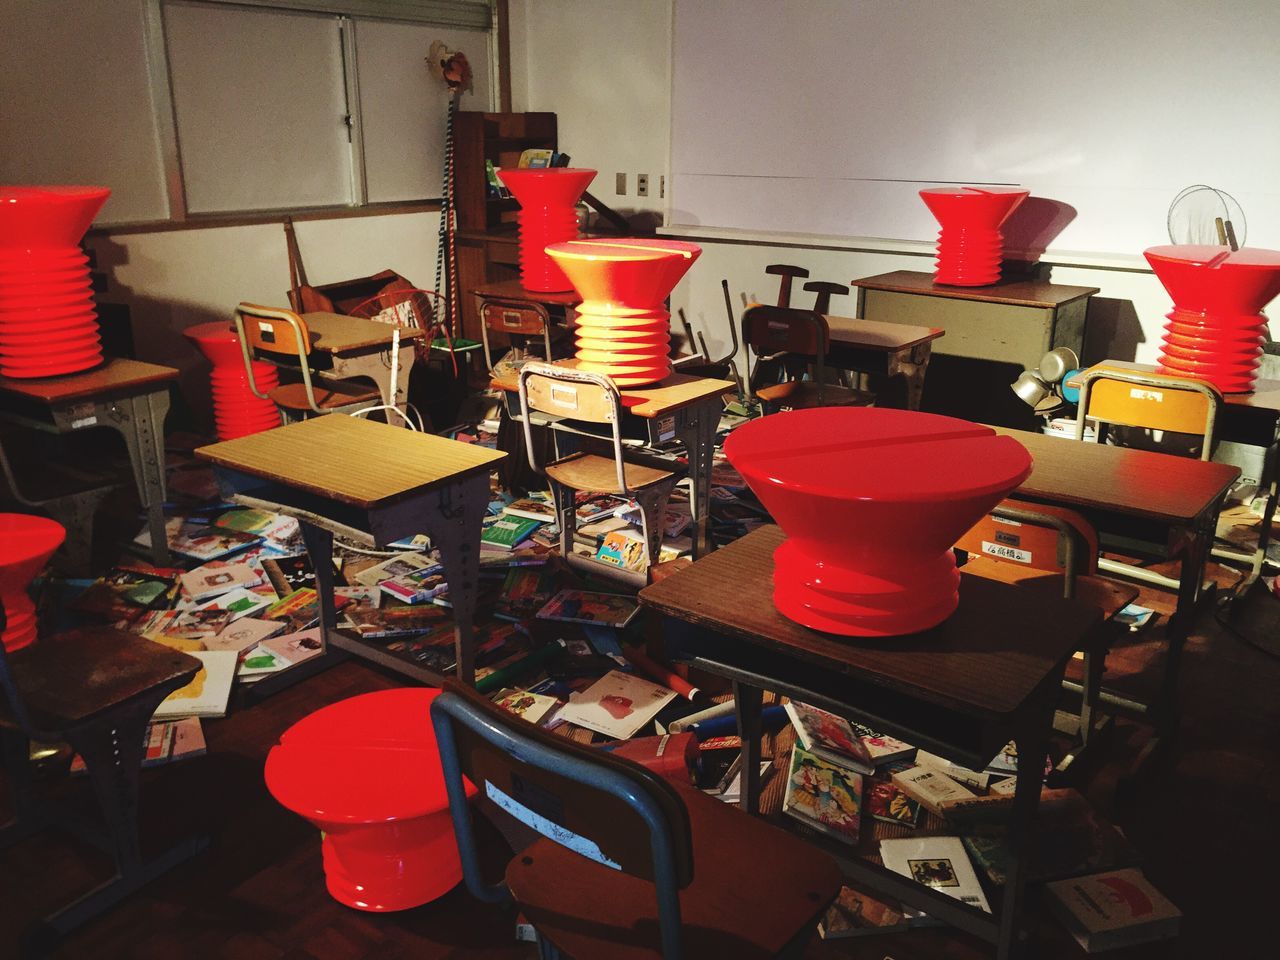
x=68 y=679
x=803 y=394
x=587 y=471
x=1109 y=596
x=329 y=395
x=755 y=887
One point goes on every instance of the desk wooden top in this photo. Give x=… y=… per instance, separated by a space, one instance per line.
x=352 y=460
x=676 y=391
x=339 y=333
x=878 y=335
x=1265 y=396
x=512 y=290
x=987 y=659
x=1018 y=293
x=1137 y=483
x=114 y=377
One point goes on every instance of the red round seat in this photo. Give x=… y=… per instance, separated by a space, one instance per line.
x=26 y=542
x=872 y=501
x=366 y=771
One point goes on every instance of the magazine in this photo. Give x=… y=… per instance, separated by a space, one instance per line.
x=581 y=606
x=823 y=795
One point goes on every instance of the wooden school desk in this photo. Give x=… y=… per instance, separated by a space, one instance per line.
x=681 y=408
x=987 y=674
x=362 y=348
x=1156 y=497
x=375 y=483
x=890 y=349
x=128 y=396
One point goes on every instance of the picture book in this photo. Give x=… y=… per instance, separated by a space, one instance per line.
x=932 y=788
x=857 y=914
x=618 y=705
x=435 y=650
x=524 y=590
x=530 y=706
x=208 y=581
x=581 y=606
x=239 y=635
x=258 y=663
x=400 y=565
x=532 y=508
x=624 y=549
x=126 y=593
x=164 y=741
x=295 y=647
x=208 y=693
x=887 y=802
x=1115 y=909
x=590 y=508
x=974 y=779
x=421 y=586
x=288 y=574
x=938 y=862
x=881 y=747
x=506 y=532
x=300 y=609
x=201 y=542
x=824 y=795
x=397 y=622
x=277 y=527
x=592 y=532
x=528 y=554
x=829 y=736
x=238 y=602
x=1134 y=617
x=361 y=596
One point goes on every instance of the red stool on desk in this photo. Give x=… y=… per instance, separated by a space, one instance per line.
x=26 y=544
x=367 y=773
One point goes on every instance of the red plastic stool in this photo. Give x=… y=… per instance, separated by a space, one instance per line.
x=1216 y=329
x=236 y=411
x=367 y=773
x=970 y=244
x=623 y=324
x=872 y=501
x=548 y=200
x=26 y=544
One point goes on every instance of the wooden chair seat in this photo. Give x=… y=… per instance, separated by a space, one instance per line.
x=69 y=679
x=754 y=887
x=1109 y=596
x=804 y=394
x=329 y=395
x=587 y=471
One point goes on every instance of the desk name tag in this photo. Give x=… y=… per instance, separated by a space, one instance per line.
x=82 y=415
x=666 y=429
x=1006 y=553
x=1136 y=394
x=566 y=397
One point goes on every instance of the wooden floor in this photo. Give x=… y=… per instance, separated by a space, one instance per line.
x=1206 y=824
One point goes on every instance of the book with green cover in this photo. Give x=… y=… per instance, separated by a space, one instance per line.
x=507 y=531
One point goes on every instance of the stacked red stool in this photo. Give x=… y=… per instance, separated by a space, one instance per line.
x=366 y=771
x=237 y=412
x=970 y=244
x=26 y=544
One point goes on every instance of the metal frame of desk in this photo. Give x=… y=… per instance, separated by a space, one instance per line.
x=886 y=683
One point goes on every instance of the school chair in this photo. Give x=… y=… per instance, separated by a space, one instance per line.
x=564 y=393
x=281 y=337
x=629 y=865
x=95 y=689
x=1041 y=546
x=797 y=341
x=1148 y=401
x=523 y=322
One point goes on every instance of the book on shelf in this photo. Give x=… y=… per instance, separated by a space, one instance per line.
x=624 y=549
x=858 y=914
x=884 y=800
x=617 y=705
x=591 y=507
x=198 y=541
x=165 y=741
x=582 y=606
x=938 y=862
x=932 y=788
x=536 y=157
x=829 y=736
x=402 y=564
x=532 y=508
x=824 y=795
x=1119 y=908
x=393 y=623
x=974 y=779
x=882 y=747
x=506 y=532
x=421 y=586
x=207 y=694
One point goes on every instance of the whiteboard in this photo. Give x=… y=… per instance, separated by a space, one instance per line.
x=77 y=103
x=403 y=107
x=260 y=101
x=828 y=116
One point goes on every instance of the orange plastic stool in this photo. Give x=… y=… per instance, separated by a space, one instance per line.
x=367 y=773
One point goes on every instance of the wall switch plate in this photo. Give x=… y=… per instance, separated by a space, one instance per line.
x=620 y=184
x=642 y=184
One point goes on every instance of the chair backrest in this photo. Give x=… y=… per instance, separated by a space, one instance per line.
x=1037 y=537
x=515 y=316
x=273 y=330
x=1153 y=401
x=603 y=807
x=573 y=395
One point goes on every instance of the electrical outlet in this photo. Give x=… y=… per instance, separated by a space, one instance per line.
x=620 y=184
x=642 y=184
x=662 y=187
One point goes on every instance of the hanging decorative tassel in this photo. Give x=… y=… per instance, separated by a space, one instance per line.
x=451 y=67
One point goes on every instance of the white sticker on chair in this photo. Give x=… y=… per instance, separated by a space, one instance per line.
x=548 y=828
x=1006 y=553
x=1136 y=394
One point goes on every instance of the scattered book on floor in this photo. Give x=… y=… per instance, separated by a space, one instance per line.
x=288 y=574
x=507 y=532
x=295 y=647
x=829 y=736
x=532 y=508
x=524 y=591
x=1134 y=617
x=240 y=635
x=126 y=593
x=301 y=609
x=421 y=586
x=932 y=788
x=237 y=603
x=938 y=862
x=582 y=606
x=617 y=705
x=166 y=741
x=400 y=565
x=974 y=779
x=823 y=795
x=199 y=541
x=528 y=706
x=208 y=693
x=858 y=914
x=624 y=549
x=1115 y=909
x=882 y=747
x=884 y=800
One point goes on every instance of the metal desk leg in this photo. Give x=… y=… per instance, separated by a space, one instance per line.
x=452 y=519
x=140 y=420
x=912 y=364
x=1032 y=744
x=319 y=543
x=748 y=702
x=698 y=435
x=375 y=366
x=1193 y=561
